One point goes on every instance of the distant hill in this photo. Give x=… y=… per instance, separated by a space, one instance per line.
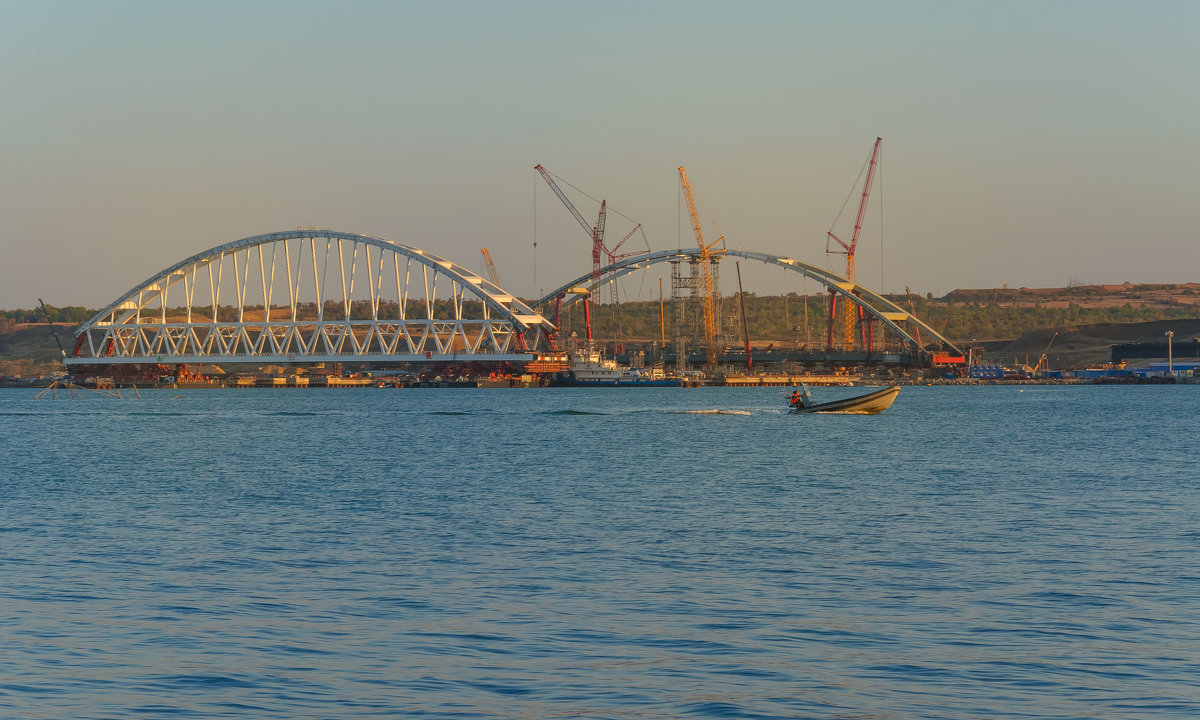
x=1086 y=296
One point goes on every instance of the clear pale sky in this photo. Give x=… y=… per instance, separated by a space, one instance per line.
x=1028 y=143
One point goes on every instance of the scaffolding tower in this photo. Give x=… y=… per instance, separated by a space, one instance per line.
x=687 y=307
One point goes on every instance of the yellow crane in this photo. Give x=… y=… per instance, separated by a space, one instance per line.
x=1042 y=360
x=491 y=267
x=1042 y=363
x=708 y=296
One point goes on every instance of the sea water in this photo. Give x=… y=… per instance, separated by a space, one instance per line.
x=973 y=552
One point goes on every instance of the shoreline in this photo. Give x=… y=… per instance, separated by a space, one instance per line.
x=491 y=384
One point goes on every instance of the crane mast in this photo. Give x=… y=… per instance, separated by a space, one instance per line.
x=598 y=241
x=705 y=271
x=848 y=250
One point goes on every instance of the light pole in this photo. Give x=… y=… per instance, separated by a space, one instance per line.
x=1170 y=360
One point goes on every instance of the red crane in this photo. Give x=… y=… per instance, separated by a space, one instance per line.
x=599 y=249
x=595 y=232
x=848 y=251
x=614 y=256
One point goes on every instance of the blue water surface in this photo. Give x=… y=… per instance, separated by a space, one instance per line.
x=974 y=552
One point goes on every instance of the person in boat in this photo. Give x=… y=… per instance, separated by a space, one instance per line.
x=797 y=399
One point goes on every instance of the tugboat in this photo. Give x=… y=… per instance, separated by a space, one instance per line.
x=589 y=368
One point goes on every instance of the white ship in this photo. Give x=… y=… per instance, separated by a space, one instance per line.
x=589 y=368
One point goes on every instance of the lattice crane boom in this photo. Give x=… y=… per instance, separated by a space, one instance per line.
x=612 y=254
x=562 y=196
x=598 y=241
x=595 y=232
x=705 y=271
x=491 y=267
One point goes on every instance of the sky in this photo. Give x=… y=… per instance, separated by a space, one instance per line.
x=1034 y=144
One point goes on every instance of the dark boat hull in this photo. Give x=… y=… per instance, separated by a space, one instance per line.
x=568 y=379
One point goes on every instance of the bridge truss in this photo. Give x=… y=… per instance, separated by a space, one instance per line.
x=313 y=296
x=888 y=313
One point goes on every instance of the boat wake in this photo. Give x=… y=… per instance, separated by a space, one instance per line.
x=713 y=411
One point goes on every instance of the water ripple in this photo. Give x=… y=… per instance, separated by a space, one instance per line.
x=972 y=554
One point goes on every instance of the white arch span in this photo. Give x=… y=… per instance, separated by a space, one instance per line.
x=312 y=296
x=887 y=312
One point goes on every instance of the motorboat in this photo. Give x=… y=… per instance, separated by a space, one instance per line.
x=869 y=404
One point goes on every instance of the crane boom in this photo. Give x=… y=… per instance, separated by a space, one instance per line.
x=562 y=196
x=862 y=212
x=598 y=241
x=52 y=330
x=1042 y=359
x=491 y=267
x=595 y=232
x=912 y=310
x=612 y=254
x=705 y=271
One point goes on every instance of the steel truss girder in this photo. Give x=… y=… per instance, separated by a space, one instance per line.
x=887 y=312
x=413 y=324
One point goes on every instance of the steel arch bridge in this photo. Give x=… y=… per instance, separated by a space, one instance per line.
x=312 y=296
x=887 y=312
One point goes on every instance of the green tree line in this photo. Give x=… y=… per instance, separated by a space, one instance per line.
x=68 y=314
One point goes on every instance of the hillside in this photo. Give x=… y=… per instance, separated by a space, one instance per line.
x=967 y=316
x=1088 y=320
x=28 y=349
x=1086 y=345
